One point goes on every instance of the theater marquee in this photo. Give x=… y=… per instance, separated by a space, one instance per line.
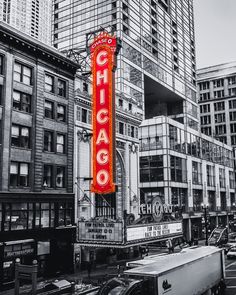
x=103 y=58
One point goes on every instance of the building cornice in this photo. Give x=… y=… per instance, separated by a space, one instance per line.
x=34 y=47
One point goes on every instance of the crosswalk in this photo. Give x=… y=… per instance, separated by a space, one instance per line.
x=230 y=279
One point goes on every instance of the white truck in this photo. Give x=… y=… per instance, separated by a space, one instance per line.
x=193 y=272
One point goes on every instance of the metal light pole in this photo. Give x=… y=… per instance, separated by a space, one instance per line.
x=205 y=208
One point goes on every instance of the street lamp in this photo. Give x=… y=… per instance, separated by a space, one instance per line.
x=205 y=208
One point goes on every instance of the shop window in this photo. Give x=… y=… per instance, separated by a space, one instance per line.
x=197 y=200
x=60 y=177
x=19 y=174
x=22 y=101
x=49 y=83
x=48 y=141
x=61 y=88
x=22 y=73
x=48 y=109
x=61 y=113
x=60 y=144
x=65 y=215
x=44 y=215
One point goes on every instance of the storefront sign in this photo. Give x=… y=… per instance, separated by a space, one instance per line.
x=100 y=231
x=157 y=230
x=155 y=208
x=18 y=253
x=103 y=64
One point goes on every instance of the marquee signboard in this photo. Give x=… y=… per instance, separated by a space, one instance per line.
x=154 y=231
x=103 y=58
x=100 y=231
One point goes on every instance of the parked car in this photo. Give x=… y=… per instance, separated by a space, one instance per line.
x=232 y=252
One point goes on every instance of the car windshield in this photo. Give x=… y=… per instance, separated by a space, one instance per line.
x=233 y=250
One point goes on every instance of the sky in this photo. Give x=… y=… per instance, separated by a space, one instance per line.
x=215 y=31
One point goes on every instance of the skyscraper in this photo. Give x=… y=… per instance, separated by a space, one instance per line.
x=32 y=17
x=156 y=65
x=217 y=92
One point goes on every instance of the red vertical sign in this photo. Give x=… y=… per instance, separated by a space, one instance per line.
x=103 y=51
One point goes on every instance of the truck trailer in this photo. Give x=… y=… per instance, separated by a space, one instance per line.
x=195 y=272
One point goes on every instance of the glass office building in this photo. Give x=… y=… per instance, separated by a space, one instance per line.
x=156 y=64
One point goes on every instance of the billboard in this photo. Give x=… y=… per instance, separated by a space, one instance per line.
x=103 y=59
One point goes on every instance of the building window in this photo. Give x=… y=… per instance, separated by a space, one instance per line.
x=61 y=113
x=231 y=180
x=205 y=120
x=61 y=88
x=120 y=102
x=232 y=116
x=219 y=94
x=48 y=141
x=222 y=177
x=84 y=115
x=19 y=174
x=233 y=128
x=21 y=101
x=219 y=106
x=60 y=143
x=151 y=169
x=204 y=85
x=221 y=129
x=20 y=136
x=130 y=107
x=218 y=83
x=49 y=83
x=60 y=176
x=210 y=175
x=47 y=176
x=178 y=169
x=232 y=104
x=177 y=139
x=197 y=172
x=48 y=109
x=205 y=108
x=232 y=80
x=206 y=130
x=1 y=64
x=106 y=206
x=204 y=96
x=22 y=73
x=18 y=216
x=232 y=91
x=121 y=128
x=197 y=200
x=220 y=118
x=65 y=214
x=233 y=140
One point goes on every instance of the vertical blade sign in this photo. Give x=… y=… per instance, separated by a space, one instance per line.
x=103 y=61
